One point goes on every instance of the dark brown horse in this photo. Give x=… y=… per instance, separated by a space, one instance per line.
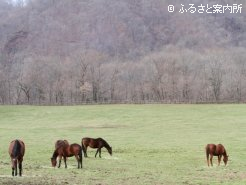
x=16 y=152
x=67 y=151
x=216 y=150
x=95 y=143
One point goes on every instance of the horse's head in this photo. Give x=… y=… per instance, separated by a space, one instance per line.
x=225 y=159
x=53 y=161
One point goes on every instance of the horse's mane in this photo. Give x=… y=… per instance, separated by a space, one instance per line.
x=55 y=154
x=16 y=148
x=105 y=143
x=225 y=154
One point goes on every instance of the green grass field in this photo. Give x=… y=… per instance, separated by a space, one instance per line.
x=152 y=144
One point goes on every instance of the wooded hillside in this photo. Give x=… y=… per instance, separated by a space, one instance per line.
x=93 y=51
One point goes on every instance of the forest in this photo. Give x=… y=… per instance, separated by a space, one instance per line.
x=60 y=52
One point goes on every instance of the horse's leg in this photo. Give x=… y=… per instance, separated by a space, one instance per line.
x=80 y=160
x=13 y=167
x=211 y=159
x=96 y=152
x=15 y=161
x=208 y=159
x=65 y=161
x=16 y=168
x=20 y=168
x=85 y=154
x=77 y=158
x=207 y=155
x=100 y=152
x=59 y=165
x=219 y=159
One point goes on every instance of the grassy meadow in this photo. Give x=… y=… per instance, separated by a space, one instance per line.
x=152 y=144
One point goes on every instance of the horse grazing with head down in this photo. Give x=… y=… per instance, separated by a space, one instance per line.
x=216 y=150
x=65 y=150
x=16 y=152
x=95 y=143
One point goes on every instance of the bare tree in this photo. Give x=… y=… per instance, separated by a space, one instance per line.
x=113 y=83
x=215 y=79
x=82 y=83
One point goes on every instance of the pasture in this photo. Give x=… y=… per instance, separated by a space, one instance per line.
x=152 y=144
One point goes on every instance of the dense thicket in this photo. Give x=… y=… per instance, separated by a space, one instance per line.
x=92 y=51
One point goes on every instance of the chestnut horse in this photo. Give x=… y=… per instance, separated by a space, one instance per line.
x=16 y=152
x=95 y=143
x=216 y=150
x=67 y=151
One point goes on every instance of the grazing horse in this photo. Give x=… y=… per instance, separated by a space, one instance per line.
x=95 y=143
x=61 y=143
x=67 y=151
x=216 y=150
x=16 y=152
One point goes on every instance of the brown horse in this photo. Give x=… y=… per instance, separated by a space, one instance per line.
x=95 y=143
x=16 y=152
x=216 y=150
x=67 y=151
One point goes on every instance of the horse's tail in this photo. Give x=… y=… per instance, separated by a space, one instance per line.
x=207 y=153
x=81 y=156
x=83 y=147
x=16 y=149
